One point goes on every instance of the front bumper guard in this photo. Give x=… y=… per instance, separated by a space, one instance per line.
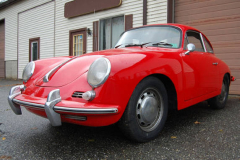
x=50 y=106
x=15 y=91
x=52 y=100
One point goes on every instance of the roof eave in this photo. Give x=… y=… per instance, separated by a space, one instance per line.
x=7 y=3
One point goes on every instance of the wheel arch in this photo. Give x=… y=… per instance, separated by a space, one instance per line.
x=228 y=76
x=171 y=90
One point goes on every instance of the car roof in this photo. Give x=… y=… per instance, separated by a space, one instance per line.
x=181 y=26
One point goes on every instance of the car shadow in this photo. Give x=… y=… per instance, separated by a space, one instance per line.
x=75 y=140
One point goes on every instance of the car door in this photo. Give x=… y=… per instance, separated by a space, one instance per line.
x=199 y=72
x=214 y=72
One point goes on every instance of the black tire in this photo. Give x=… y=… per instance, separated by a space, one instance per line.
x=220 y=101
x=148 y=98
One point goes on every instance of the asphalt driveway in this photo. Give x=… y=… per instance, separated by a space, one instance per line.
x=197 y=132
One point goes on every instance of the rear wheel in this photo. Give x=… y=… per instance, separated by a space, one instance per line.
x=220 y=101
x=146 y=112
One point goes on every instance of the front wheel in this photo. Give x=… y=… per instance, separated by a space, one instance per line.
x=146 y=112
x=220 y=101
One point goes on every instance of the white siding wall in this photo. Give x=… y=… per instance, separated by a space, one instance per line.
x=63 y=25
x=157 y=11
x=10 y=14
x=37 y=22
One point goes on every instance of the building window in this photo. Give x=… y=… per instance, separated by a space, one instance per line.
x=78 y=45
x=77 y=42
x=110 y=31
x=34 y=49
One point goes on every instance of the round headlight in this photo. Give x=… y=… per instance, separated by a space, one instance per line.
x=28 y=71
x=98 y=72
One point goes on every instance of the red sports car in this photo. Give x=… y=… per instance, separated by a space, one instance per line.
x=152 y=69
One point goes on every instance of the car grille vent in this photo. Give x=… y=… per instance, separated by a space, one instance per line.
x=77 y=94
x=78 y=118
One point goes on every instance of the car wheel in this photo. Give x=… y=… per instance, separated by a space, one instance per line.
x=146 y=112
x=220 y=101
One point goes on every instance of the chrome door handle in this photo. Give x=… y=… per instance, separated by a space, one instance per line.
x=215 y=63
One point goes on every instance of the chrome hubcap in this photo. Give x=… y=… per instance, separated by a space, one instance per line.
x=148 y=109
x=222 y=96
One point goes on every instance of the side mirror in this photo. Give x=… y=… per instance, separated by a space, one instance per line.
x=190 y=47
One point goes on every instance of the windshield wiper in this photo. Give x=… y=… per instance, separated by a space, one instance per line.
x=163 y=43
x=130 y=45
x=118 y=46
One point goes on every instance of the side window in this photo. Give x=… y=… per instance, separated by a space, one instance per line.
x=194 y=37
x=207 y=45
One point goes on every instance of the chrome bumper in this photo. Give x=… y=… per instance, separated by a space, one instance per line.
x=15 y=91
x=49 y=107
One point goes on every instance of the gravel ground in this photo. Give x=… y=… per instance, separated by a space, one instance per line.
x=197 y=132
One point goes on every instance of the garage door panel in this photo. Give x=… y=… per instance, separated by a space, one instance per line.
x=228 y=56
x=225 y=31
x=219 y=20
x=207 y=9
x=217 y=23
x=201 y=3
x=1 y=73
x=213 y=5
x=2 y=66
x=225 y=51
x=224 y=38
x=231 y=62
x=1 y=63
x=235 y=88
x=228 y=21
x=235 y=82
x=212 y=15
x=1 y=56
x=223 y=44
x=236 y=74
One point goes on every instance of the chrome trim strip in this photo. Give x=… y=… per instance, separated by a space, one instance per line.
x=86 y=111
x=48 y=75
x=69 y=110
x=23 y=103
x=204 y=47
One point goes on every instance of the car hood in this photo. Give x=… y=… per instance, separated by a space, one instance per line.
x=67 y=72
x=76 y=67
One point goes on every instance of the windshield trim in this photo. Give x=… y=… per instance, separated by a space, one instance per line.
x=180 y=44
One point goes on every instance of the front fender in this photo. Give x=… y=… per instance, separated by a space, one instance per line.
x=128 y=70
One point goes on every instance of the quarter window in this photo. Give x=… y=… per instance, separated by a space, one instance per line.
x=194 y=37
x=207 y=45
x=110 y=31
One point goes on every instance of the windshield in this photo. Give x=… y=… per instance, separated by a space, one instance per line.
x=159 y=36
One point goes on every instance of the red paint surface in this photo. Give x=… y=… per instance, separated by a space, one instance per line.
x=194 y=76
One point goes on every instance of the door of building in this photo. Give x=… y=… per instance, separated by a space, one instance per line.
x=78 y=42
